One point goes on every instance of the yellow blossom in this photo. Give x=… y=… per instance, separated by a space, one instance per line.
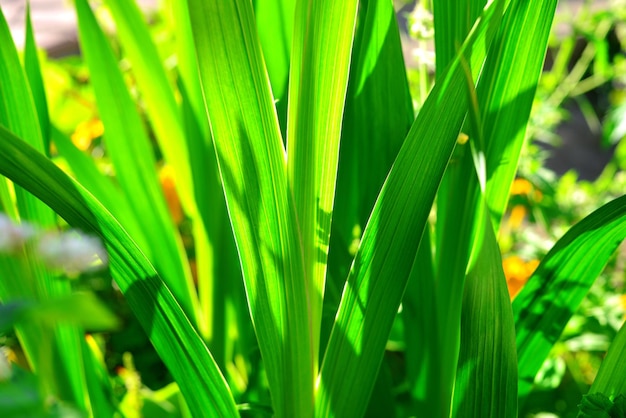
x=521 y=187
x=518 y=213
x=517 y=272
x=86 y=132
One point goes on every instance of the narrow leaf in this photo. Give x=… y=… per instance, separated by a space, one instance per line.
x=132 y=156
x=385 y=257
x=35 y=80
x=169 y=329
x=486 y=383
x=161 y=108
x=556 y=288
x=323 y=33
x=610 y=378
x=252 y=165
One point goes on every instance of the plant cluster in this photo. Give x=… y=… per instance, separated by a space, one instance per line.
x=291 y=235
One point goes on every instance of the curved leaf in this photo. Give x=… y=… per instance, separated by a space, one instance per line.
x=131 y=152
x=169 y=329
x=385 y=257
x=556 y=288
x=610 y=378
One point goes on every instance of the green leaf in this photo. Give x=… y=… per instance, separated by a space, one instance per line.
x=60 y=373
x=35 y=80
x=378 y=107
x=596 y=405
x=275 y=21
x=158 y=96
x=132 y=155
x=556 y=288
x=82 y=309
x=385 y=257
x=18 y=113
x=378 y=114
x=253 y=169
x=499 y=111
x=215 y=251
x=323 y=33
x=511 y=76
x=486 y=383
x=452 y=24
x=169 y=329
x=610 y=378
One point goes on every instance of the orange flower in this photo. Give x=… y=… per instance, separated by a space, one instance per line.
x=517 y=272
x=518 y=213
x=521 y=187
x=166 y=177
x=86 y=132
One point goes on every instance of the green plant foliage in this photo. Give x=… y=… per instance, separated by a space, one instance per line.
x=294 y=238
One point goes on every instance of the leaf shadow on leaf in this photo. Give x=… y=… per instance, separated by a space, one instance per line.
x=264 y=292
x=545 y=317
x=554 y=291
x=377 y=117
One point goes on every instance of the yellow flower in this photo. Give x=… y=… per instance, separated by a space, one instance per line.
x=518 y=213
x=86 y=132
x=521 y=187
x=517 y=272
x=166 y=177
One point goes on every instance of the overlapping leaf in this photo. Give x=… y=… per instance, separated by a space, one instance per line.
x=560 y=283
x=132 y=155
x=382 y=264
x=253 y=169
x=169 y=329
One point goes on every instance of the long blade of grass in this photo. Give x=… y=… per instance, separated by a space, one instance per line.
x=378 y=114
x=132 y=156
x=385 y=257
x=323 y=33
x=500 y=109
x=275 y=20
x=169 y=329
x=161 y=108
x=610 y=378
x=511 y=79
x=35 y=80
x=486 y=382
x=215 y=251
x=452 y=24
x=378 y=107
x=223 y=302
x=101 y=187
x=61 y=373
x=253 y=169
x=556 y=288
